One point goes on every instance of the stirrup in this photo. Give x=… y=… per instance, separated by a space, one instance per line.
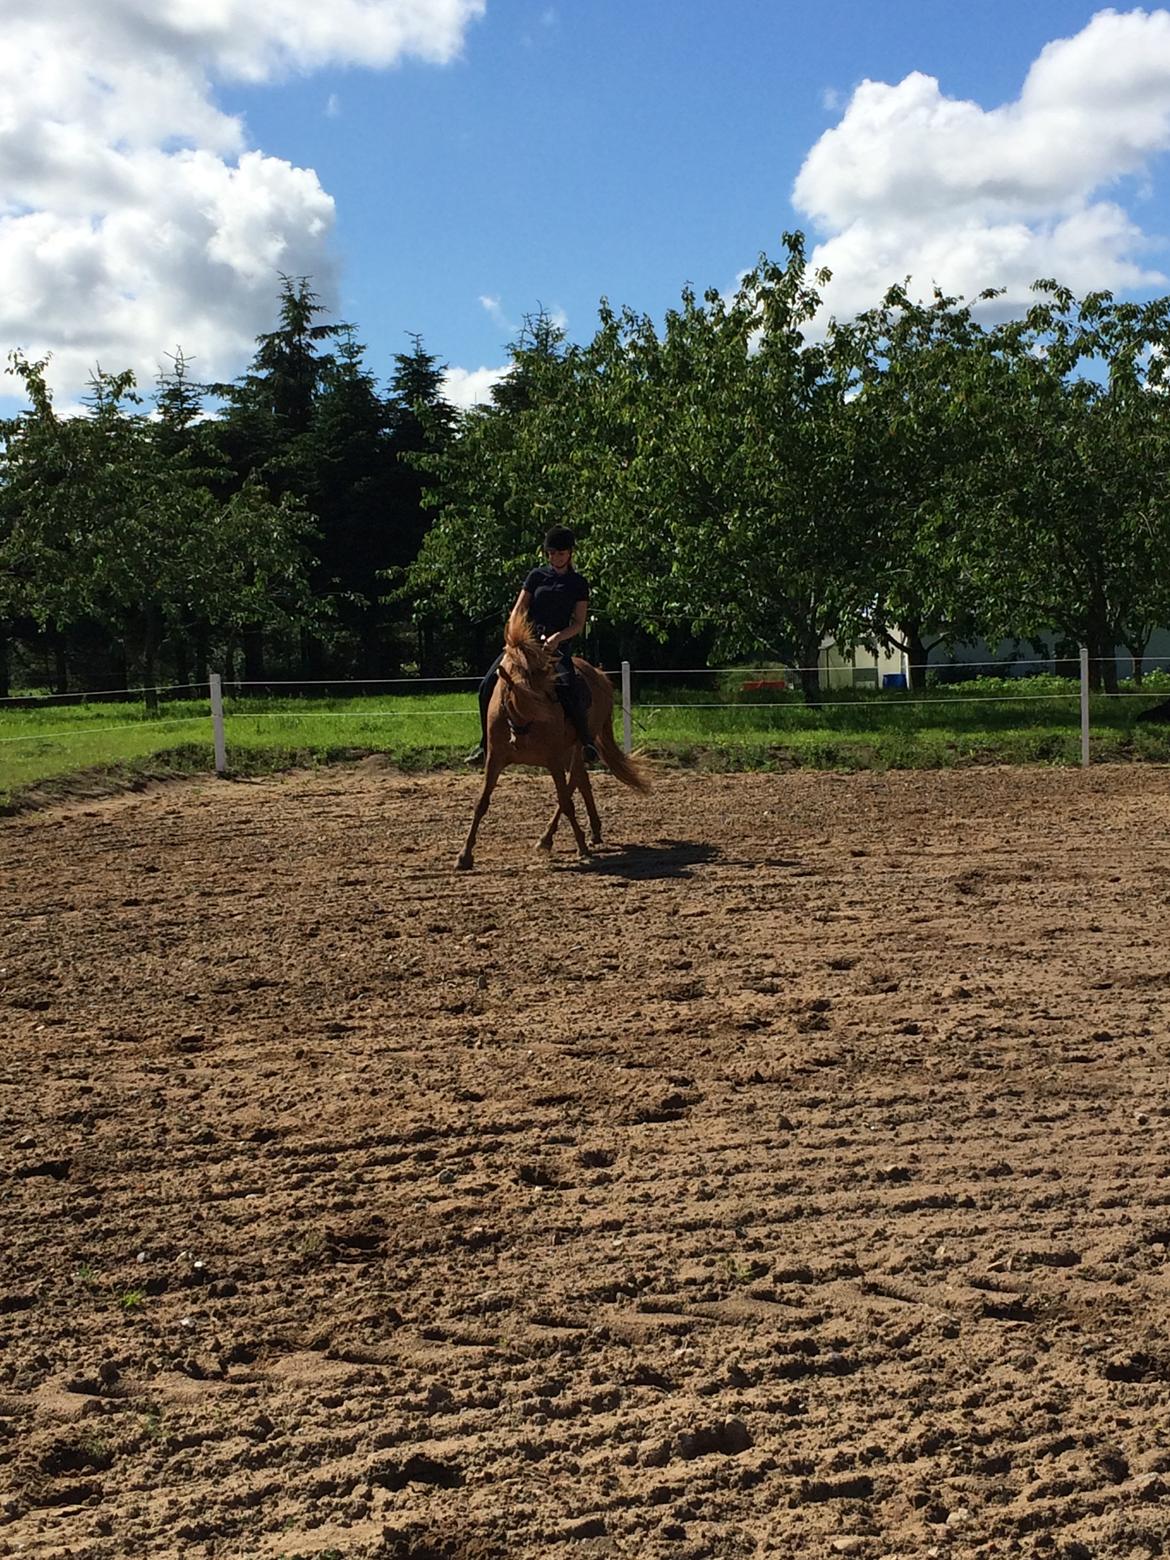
x=591 y=755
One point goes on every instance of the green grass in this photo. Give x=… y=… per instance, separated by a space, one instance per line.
x=418 y=730
x=990 y=720
x=110 y=744
x=99 y=748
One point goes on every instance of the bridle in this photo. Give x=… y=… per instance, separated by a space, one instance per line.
x=516 y=727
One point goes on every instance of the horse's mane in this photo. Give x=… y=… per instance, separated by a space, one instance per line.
x=521 y=644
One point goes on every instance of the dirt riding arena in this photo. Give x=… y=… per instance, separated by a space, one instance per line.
x=790 y=1180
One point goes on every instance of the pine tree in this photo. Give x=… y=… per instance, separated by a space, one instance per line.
x=265 y=431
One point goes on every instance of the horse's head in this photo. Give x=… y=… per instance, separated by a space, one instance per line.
x=525 y=658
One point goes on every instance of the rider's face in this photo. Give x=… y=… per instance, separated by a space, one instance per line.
x=560 y=558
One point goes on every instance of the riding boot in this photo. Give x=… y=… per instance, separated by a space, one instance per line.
x=478 y=755
x=579 y=715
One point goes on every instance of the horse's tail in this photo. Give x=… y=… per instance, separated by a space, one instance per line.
x=626 y=767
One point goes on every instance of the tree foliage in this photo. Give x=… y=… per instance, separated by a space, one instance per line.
x=104 y=520
x=747 y=479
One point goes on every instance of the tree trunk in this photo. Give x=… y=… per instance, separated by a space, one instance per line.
x=1109 y=667
x=376 y=661
x=1102 y=660
x=151 y=639
x=253 y=654
x=308 y=655
x=183 y=664
x=5 y=666
x=916 y=654
x=809 y=670
x=201 y=653
x=1065 y=664
x=426 y=649
x=60 y=664
x=1137 y=652
x=121 y=664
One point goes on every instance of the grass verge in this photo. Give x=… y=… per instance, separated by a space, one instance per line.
x=51 y=752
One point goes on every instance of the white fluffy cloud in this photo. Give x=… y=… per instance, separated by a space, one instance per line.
x=133 y=214
x=468 y=387
x=913 y=183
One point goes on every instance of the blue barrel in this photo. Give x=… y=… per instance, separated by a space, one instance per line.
x=894 y=680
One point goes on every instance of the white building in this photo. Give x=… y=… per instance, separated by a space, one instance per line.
x=1008 y=658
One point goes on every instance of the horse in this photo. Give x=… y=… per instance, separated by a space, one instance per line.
x=527 y=725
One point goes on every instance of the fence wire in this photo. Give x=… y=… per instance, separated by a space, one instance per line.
x=245 y=714
x=99 y=729
x=83 y=696
x=353 y=682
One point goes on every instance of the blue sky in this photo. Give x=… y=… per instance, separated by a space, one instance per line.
x=447 y=168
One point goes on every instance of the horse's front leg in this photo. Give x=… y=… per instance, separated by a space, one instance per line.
x=545 y=842
x=578 y=781
x=465 y=859
x=565 y=801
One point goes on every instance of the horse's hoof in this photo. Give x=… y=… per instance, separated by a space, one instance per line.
x=595 y=836
x=464 y=862
x=544 y=845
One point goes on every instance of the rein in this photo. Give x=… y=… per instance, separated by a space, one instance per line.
x=516 y=727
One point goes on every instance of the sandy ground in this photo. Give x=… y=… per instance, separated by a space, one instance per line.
x=791 y=1179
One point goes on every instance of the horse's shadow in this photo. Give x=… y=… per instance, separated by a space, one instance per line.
x=665 y=859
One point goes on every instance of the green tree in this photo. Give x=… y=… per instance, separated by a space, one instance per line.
x=495 y=481
x=1071 y=488
x=346 y=464
x=914 y=476
x=720 y=469
x=919 y=363
x=101 y=522
x=269 y=409
x=265 y=431
x=422 y=426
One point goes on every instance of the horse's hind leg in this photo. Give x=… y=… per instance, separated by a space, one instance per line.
x=578 y=781
x=565 y=799
x=465 y=860
x=580 y=778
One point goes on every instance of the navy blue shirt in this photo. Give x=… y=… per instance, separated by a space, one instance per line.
x=554 y=596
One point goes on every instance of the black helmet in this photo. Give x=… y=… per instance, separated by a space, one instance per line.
x=559 y=537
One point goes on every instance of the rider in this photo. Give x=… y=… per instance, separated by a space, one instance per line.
x=556 y=599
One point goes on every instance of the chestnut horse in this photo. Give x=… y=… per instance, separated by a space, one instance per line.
x=527 y=725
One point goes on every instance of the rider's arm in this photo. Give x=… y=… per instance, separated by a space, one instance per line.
x=580 y=612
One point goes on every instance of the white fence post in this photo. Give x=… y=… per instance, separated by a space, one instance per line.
x=1085 y=706
x=216 y=683
x=627 y=717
